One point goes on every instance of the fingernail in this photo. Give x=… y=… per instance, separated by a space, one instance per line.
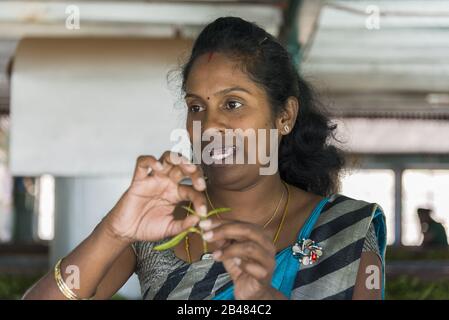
x=201 y=183
x=208 y=235
x=237 y=261
x=202 y=211
x=159 y=166
x=205 y=224
x=217 y=254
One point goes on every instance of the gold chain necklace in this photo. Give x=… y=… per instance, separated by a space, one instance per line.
x=281 y=223
x=266 y=223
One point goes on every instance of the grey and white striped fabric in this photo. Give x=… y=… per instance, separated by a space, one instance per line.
x=344 y=230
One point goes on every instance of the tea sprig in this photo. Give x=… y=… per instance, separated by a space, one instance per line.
x=179 y=237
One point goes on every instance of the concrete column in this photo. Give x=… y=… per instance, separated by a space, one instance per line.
x=398 y=171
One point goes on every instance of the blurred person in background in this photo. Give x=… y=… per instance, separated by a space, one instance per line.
x=434 y=234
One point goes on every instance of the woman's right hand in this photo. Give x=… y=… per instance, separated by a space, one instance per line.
x=145 y=210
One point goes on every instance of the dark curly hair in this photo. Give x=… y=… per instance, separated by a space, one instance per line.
x=307 y=158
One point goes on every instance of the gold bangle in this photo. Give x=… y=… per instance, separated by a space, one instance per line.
x=62 y=286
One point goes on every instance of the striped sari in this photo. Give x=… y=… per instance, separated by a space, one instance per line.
x=340 y=225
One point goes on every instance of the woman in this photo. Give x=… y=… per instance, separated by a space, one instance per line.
x=288 y=234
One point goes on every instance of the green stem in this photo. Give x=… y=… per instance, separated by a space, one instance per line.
x=178 y=238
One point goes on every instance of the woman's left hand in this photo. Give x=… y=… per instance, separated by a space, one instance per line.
x=248 y=255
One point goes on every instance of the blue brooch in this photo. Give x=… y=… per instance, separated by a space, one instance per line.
x=307 y=251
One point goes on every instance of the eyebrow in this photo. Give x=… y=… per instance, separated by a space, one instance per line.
x=221 y=92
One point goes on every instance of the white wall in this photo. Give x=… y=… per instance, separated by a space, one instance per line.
x=90 y=106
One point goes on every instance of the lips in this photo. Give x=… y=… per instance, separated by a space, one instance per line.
x=222 y=153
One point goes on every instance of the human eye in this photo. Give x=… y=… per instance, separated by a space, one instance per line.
x=233 y=104
x=194 y=108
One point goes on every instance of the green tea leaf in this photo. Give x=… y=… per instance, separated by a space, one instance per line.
x=194 y=229
x=217 y=211
x=176 y=239
x=172 y=242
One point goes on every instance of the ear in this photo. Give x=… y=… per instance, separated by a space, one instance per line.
x=287 y=118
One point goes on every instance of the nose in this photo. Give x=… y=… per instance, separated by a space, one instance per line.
x=214 y=122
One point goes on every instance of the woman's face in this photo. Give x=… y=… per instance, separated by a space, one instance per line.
x=219 y=95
